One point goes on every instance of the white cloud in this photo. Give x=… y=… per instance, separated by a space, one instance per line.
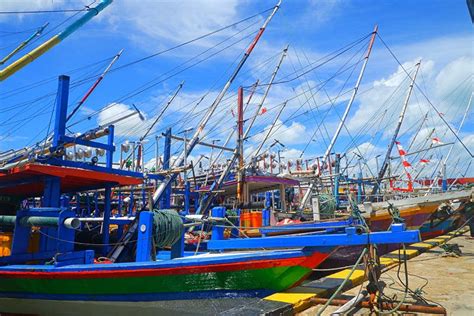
x=319 y=12
x=389 y=94
x=164 y=22
x=450 y=76
x=130 y=127
x=30 y=5
x=292 y=134
x=290 y=153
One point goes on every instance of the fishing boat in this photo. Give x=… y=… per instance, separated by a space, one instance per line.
x=200 y=276
x=62 y=268
x=143 y=258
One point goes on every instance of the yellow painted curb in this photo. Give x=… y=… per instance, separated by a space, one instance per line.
x=388 y=261
x=421 y=245
x=290 y=298
x=358 y=274
x=437 y=239
x=410 y=253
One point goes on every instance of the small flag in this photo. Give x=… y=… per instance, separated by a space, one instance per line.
x=436 y=140
x=406 y=163
x=264 y=110
x=401 y=151
x=424 y=161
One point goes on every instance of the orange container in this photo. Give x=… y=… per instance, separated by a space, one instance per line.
x=245 y=219
x=5 y=244
x=256 y=218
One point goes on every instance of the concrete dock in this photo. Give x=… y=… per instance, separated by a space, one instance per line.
x=445 y=280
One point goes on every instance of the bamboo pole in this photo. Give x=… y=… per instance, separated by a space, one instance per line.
x=344 y=116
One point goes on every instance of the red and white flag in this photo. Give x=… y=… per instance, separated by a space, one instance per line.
x=424 y=161
x=436 y=141
x=406 y=163
x=264 y=110
x=406 y=166
x=401 y=151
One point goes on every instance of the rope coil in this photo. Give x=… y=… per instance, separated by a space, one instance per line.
x=168 y=227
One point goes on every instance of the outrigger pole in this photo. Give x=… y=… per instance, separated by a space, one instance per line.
x=238 y=151
x=194 y=140
x=386 y=161
x=231 y=134
x=24 y=43
x=156 y=119
x=96 y=83
x=260 y=105
x=269 y=85
x=443 y=166
x=53 y=41
x=115 y=253
x=269 y=132
x=344 y=116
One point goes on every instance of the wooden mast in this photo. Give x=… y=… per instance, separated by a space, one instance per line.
x=386 y=160
x=344 y=116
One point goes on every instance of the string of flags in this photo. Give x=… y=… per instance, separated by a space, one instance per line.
x=406 y=166
x=263 y=111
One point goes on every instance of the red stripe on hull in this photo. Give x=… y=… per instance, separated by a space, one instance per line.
x=309 y=262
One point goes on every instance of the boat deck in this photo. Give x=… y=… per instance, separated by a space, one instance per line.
x=452 y=289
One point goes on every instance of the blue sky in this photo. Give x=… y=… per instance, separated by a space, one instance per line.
x=437 y=32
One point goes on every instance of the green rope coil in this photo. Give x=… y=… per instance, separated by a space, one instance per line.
x=327 y=204
x=168 y=227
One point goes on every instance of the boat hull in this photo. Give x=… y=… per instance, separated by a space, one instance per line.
x=414 y=218
x=247 y=274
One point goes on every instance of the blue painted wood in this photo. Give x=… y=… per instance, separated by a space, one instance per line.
x=87 y=166
x=64 y=240
x=177 y=250
x=106 y=222
x=53 y=239
x=77 y=257
x=88 y=143
x=109 y=155
x=19 y=182
x=178 y=263
x=144 y=236
x=61 y=110
x=217 y=232
x=350 y=238
x=165 y=202
x=341 y=224
x=26 y=257
x=51 y=198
